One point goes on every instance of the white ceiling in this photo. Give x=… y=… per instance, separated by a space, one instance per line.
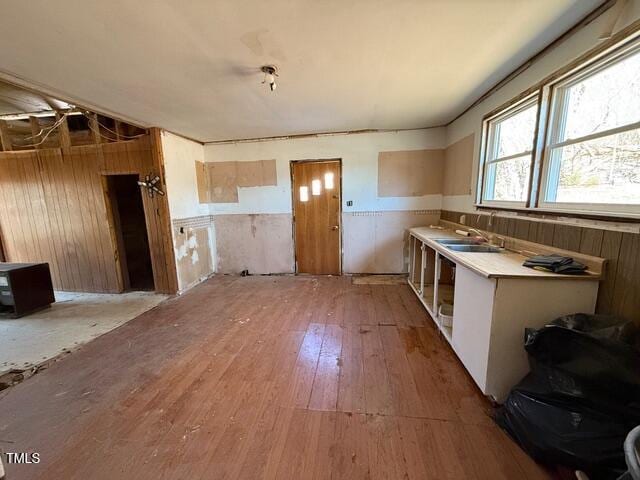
x=193 y=66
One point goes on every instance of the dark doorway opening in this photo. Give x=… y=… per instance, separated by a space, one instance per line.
x=130 y=230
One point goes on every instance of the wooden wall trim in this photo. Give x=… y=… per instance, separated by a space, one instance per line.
x=163 y=217
x=597 y=222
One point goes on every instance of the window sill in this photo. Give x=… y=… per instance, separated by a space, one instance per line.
x=623 y=218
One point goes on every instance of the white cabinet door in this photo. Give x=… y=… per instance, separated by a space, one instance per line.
x=472 y=315
x=523 y=303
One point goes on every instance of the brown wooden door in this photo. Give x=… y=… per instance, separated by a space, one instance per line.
x=317 y=216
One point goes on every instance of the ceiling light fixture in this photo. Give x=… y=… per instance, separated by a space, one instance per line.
x=270 y=74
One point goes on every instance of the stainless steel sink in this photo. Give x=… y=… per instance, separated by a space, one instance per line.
x=458 y=241
x=474 y=248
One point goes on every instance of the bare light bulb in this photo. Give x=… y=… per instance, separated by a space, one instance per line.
x=271 y=80
x=270 y=74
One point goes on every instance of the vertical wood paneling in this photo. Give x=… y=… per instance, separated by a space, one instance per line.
x=47 y=159
x=591 y=241
x=6 y=198
x=533 y=231
x=82 y=245
x=619 y=292
x=567 y=237
x=501 y=225
x=19 y=190
x=545 y=233
x=521 y=230
x=482 y=222
x=41 y=215
x=610 y=250
x=53 y=209
x=55 y=166
x=626 y=294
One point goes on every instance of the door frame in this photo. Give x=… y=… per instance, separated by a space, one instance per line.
x=293 y=209
x=115 y=232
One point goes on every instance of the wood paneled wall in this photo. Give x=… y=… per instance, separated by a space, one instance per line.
x=53 y=209
x=619 y=292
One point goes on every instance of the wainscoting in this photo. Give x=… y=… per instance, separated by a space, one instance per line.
x=192 y=243
x=378 y=242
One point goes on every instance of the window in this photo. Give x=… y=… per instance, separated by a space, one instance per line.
x=593 y=148
x=316 y=187
x=304 y=194
x=585 y=155
x=328 y=180
x=507 y=166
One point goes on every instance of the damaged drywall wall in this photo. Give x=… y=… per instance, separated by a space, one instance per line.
x=458 y=166
x=410 y=173
x=193 y=238
x=359 y=155
x=218 y=182
x=193 y=255
x=261 y=244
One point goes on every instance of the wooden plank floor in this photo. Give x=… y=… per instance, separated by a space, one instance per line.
x=263 y=377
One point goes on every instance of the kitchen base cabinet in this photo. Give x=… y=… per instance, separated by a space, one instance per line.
x=490 y=316
x=472 y=315
x=494 y=300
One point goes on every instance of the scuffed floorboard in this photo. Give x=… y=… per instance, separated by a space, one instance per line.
x=380 y=279
x=263 y=377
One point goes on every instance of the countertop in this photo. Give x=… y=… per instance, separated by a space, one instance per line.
x=506 y=264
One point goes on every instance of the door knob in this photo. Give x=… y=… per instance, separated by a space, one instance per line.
x=335 y=227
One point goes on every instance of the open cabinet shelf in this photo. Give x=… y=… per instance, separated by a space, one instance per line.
x=432 y=279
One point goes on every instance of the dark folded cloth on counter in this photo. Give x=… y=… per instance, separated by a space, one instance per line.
x=555 y=264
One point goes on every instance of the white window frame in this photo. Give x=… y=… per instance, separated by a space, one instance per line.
x=556 y=123
x=545 y=94
x=488 y=152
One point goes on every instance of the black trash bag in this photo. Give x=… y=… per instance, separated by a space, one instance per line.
x=589 y=357
x=561 y=432
x=582 y=396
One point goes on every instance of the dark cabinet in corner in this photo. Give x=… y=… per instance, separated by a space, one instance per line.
x=24 y=288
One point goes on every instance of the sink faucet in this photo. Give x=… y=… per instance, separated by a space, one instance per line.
x=480 y=234
x=488 y=238
x=501 y=241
